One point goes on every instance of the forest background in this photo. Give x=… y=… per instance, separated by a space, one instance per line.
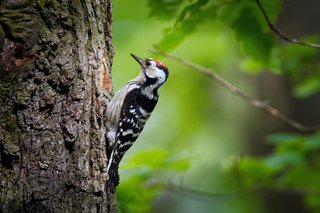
x=205 y=149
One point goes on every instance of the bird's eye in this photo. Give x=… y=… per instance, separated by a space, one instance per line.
x=148 y=63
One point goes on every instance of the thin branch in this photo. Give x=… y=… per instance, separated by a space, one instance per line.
x=264 y=105
x=281 y=35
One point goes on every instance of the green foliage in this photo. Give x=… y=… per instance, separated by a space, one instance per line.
x=242 y=17
x=134 y=194
x=247 y=24
x=230 y=36
x=164 y=10
x=302 y=65
x=186 y=23
x=257 y=42
x=295 y=164
x=249 y=33
x=145 y=179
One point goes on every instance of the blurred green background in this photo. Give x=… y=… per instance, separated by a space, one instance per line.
x=204 y=149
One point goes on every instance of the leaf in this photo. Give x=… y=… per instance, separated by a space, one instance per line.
x=313 y=201
x=302 y=65
x=308 y=87
x=278 y=138
x=252 y=32
x=152 y=158
x=298 y=58
x=190 y=10
x=178 y=165
x=249 y=33
x=135 y=191
x=312 y=143
x=255 y=171
x=283 y=160
x=287 y=142
x=229 y=12
x=186 y=23
x=251 y=65
x=134 y=195
x=164 y=10
x=302 y=177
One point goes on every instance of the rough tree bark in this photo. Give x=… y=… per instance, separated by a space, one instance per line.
x=55 y=62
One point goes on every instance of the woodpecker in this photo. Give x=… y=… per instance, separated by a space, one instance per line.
x=129 y=110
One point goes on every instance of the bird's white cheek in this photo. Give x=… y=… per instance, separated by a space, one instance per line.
x=150 y=72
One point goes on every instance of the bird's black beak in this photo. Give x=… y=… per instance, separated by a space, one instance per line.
x=139 y=60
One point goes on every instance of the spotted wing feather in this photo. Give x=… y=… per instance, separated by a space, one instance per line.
x=131 y=123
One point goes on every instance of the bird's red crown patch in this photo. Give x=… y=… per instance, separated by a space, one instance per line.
x=159 y=64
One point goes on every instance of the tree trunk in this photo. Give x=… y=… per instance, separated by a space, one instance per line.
x=55 y=62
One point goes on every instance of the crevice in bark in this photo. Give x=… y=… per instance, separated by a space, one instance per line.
x=20 y=52
x=46 y=108
x=63 y=89
x=70 y=187
x=97 y=208
x=69 y=146
x=6 y=158
x=17 y=107
x=98 y=193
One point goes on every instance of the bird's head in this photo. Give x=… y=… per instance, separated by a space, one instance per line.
x=153 y=69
